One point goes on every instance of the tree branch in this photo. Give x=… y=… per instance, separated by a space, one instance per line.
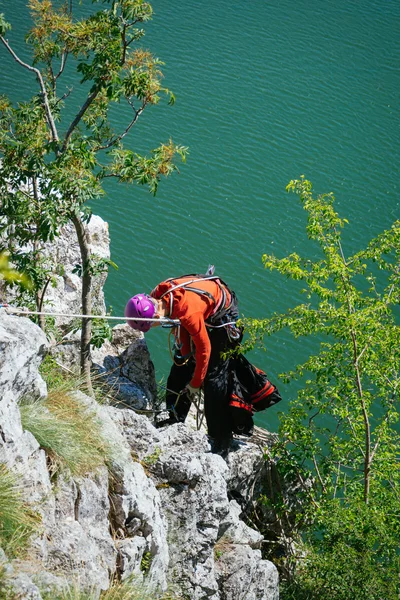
x=318 y=474
x=49 y=116
x=78 y=118
x=118 y=138
x=64 y=57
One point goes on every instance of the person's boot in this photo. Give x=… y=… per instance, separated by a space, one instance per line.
x=221 y=446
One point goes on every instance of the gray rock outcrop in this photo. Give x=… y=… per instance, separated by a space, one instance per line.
x=161 y=511
x=125 y=366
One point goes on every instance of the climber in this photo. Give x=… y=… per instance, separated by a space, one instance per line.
x=207 y=310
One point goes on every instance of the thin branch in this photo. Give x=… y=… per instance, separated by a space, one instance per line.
x=124 y=44
x=362 y=352
x=78 y=118
x=367 y=426
x=355 y=437
x=64 y=96
x=337 y=479
x=64 y=57
x=43 y=293
x=38 y=74
x=318 y=474
x=313 y=417
x=118 y=138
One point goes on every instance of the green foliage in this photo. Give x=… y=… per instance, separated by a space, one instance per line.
x=95 y=266
x=101 y=331
x=4 y=26
x=17 y=521
x=68 y=430
x=145 y=563
x=341 y=433
x=53 y=164
x=10 y=275
x=352 y=555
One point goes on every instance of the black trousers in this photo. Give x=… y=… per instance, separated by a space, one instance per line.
x=216 y=384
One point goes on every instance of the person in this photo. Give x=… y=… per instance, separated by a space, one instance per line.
x=207 y=312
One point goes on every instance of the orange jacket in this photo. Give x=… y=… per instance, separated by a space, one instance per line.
x=192 y=310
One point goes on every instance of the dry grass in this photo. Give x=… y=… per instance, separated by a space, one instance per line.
x=68 y=430
x=130 y=589
x=17 y=520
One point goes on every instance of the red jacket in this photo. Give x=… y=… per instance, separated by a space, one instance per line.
x=192 y=310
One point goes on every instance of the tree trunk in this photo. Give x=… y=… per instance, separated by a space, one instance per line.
x=39 y=305
x=39 y=294
x=85 y=359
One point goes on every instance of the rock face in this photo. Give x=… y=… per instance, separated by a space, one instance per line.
x=64 y=294
x=162 y=510
x=22 y=346
x=125 y=365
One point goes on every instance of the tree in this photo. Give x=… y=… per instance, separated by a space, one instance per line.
x=53 y=166
x=341 y=432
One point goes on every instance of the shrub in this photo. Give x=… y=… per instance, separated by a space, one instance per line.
x=351 y=554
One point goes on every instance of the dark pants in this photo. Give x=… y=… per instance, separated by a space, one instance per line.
x=216 y=385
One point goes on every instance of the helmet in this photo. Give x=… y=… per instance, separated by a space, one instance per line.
x=141 y=306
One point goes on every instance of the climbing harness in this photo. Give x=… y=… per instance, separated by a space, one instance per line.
x=174 y=349
x=215 y=320
x=219 y=308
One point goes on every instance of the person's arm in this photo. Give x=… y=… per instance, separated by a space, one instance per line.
x=195 y=326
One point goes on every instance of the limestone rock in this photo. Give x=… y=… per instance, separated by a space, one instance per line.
x=125 y=366
x=242 y=573
x=166 y=509
x=193 y=486
x=79 y=543
x=22 y=347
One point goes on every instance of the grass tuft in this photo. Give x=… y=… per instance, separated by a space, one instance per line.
x=17 y=521
x=68 y=430
x=60 y=378
x=130 y=589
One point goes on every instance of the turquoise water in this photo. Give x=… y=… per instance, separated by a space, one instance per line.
x=266 y=91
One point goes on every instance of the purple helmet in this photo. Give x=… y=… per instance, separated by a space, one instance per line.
x=141 y=306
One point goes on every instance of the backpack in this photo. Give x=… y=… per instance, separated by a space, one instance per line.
x=250 y=392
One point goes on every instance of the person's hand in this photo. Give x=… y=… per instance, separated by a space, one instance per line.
x=191 y=391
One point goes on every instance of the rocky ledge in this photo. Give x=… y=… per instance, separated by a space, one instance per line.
x=164 y=510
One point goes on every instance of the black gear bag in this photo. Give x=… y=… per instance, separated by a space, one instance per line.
x=250 y=392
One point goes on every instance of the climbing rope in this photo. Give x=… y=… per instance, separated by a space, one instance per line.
x=162 y=320
x=24 y=312
x=198 y=404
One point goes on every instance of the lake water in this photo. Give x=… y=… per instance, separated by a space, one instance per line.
x=266 y=91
